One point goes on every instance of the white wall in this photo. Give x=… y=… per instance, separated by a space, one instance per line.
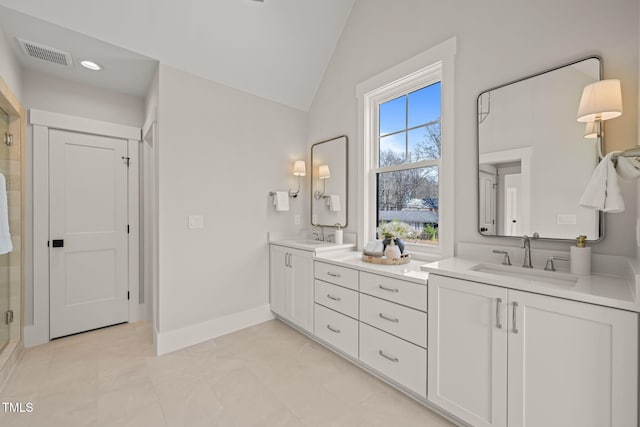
x=220 y=152
x=9 y=66
x=62 y=96
x=66 y=97
x=149 y=202
x=498 y=42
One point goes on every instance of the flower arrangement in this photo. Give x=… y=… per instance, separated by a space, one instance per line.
x=394 y=229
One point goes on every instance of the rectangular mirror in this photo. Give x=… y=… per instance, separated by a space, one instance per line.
x=534 y=161
x=329 y=171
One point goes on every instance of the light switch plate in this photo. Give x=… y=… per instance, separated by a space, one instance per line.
x=196 y=221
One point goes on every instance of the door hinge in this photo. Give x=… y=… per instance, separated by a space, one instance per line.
x=128 y=229
x=9 y=316
x=48 y=243
x=8 y=139
x=128 y=295
x=127 y=160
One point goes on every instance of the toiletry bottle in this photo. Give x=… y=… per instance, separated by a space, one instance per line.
x=338 y=236
x=580 y=257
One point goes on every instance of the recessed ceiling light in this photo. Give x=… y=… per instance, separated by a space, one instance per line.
x=90 y=65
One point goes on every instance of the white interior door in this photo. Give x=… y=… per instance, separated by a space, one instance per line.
x=487 y=203
x=88 y=232
x=512 y=219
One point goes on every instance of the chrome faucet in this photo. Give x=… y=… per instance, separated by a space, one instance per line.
x=525 y=243
x=549 y=266
x=318 y=236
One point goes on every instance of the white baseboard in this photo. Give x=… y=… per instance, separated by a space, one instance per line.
x=34 y=336
x=176 y=339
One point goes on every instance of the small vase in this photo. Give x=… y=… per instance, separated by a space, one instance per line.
x=392 y=251
x=398 y=241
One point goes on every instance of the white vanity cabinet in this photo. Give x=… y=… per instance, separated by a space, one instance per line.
x=501 y=357
x=291 y=285
x=393 y=329
x=336 y=307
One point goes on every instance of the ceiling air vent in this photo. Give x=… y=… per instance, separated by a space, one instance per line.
x=45 y=53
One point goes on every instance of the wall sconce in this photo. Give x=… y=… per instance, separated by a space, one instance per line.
x=591 y=130
x=323 y=174
x=601 y=100
x=299 y=170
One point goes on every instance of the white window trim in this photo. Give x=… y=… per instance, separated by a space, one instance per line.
x=412 y=74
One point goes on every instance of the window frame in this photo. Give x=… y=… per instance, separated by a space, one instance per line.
x=433 y=65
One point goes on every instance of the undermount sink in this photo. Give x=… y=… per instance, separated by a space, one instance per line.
x=542 y=276
x=310 y=242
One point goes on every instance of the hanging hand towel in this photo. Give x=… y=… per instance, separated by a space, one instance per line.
x=628 y=168
x=334 y=203
x=602 y=192
x=281 y=201
x=5 y=237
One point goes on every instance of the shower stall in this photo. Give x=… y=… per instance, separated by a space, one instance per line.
x=11 y=203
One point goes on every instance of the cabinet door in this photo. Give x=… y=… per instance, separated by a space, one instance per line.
x=571 y=363
x=467 y=345
x=302 y=289
x=279 y=280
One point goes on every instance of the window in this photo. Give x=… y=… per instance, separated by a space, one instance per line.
x=406 y=155
x=408 y=146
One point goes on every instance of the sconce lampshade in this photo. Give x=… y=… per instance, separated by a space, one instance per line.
x=591 y=130
x=323 y=172
x=299 y=168
x=601 y=100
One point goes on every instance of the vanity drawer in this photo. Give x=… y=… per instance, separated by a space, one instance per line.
x=399 y=291
x=398 y=320
x=337 y=329
x=337 y=298
x=399 y=360
x=337 y=275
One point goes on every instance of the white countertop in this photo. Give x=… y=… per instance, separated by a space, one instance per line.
x=316 y=246
x=602 y=289
x=410 y=272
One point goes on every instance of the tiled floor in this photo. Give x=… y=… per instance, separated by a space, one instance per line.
x=266 y=375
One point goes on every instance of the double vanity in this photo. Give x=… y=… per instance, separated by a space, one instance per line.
x=482 y=343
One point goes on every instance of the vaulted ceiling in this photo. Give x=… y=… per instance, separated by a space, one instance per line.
x=276 y=49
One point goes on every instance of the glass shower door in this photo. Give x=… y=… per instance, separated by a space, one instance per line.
x=4 y=259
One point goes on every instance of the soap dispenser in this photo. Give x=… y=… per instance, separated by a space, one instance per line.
x=580 y=257
x=338 y=236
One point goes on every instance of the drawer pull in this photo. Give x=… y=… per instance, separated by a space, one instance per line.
x=390 y=319
x=336 y=331
x=384 y=288
x=329 y=273
x=391 y=358
x=333 y=298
